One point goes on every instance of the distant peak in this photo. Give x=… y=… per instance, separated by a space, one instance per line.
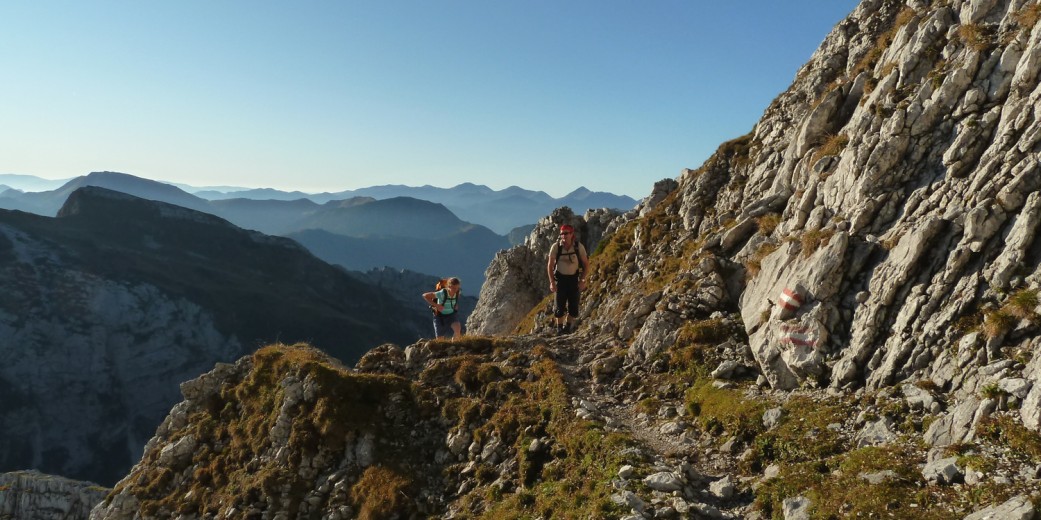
x=95 y=175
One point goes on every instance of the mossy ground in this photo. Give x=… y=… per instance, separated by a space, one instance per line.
x=234 y=465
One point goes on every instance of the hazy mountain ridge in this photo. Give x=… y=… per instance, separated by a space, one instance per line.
x=390 y=224
x=464 y=254
x=499 y=210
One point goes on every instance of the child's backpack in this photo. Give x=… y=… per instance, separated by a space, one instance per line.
x=443 y=284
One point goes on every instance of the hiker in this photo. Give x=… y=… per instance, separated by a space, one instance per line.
x=444 y=302
x=567 y=270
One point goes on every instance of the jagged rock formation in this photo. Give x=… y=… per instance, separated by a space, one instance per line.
x=516 y=280
x=30 y=495
x=112 y=304
x=894 y=185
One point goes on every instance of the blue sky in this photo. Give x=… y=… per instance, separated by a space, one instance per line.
x=333 y=95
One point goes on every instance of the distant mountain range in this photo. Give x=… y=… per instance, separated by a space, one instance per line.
x=438 y=231
x=109 y=306
x=499 y=210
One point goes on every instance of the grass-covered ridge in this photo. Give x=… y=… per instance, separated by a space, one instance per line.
x=237 y=460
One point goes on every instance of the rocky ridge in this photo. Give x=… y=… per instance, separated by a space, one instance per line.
x=32 y=495
x=516 y=280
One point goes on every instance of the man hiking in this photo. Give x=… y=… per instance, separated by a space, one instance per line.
x=567 y=270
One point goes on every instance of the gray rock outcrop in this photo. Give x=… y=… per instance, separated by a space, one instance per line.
x=31 y=495
x=896 y=185
x=516 y=280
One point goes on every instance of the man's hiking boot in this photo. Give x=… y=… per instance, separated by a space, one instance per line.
x=561 y=329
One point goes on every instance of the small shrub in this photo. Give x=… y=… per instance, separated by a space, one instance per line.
x=992 y=391
x=1022 y=304
x=968 y=323
x=755 y=262
x=928 y=385
x=466 y=375
x=768 y=223
x=381 y=493
x=997 y=323
x=831 y=144
x=1023 y=356
x=813 y=239
x=975 y=36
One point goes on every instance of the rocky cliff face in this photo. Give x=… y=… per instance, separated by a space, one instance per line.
x=516 y=280
x=893 y=189
x=30 y=495
x=112 y=304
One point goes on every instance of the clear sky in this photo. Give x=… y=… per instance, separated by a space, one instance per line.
x=333 y=95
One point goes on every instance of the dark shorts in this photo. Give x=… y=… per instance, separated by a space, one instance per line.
x=567 y=295
x=443 y=325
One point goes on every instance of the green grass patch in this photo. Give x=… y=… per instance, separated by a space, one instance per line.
x=802 y=435
x=725 y=410
x=1008 y=432
x=573 y=484
x=836 y=487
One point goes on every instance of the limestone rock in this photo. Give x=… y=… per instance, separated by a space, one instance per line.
x=31 y=494
x=1015 y=508
x=517 y=279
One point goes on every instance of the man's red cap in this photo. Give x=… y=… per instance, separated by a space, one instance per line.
x=566 y=227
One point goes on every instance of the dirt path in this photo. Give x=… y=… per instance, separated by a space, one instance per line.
x=664 y=436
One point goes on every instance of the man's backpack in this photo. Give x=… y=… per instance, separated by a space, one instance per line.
x=578 y=257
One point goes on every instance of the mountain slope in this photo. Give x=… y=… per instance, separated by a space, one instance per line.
x=499 y=210
x=110 y=305
x=396 y=217
x=464 y=254
x=49 y=202
x=390 y=224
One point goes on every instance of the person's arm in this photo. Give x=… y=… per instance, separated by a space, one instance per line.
x=584 y=264
x=431 y=298
x=551 y=266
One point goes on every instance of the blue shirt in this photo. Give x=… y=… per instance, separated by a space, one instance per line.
x=447 y=301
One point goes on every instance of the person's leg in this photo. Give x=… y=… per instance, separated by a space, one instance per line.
x=561 y=301
x=572 y=308
x=440 y=330
x=457 y=329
